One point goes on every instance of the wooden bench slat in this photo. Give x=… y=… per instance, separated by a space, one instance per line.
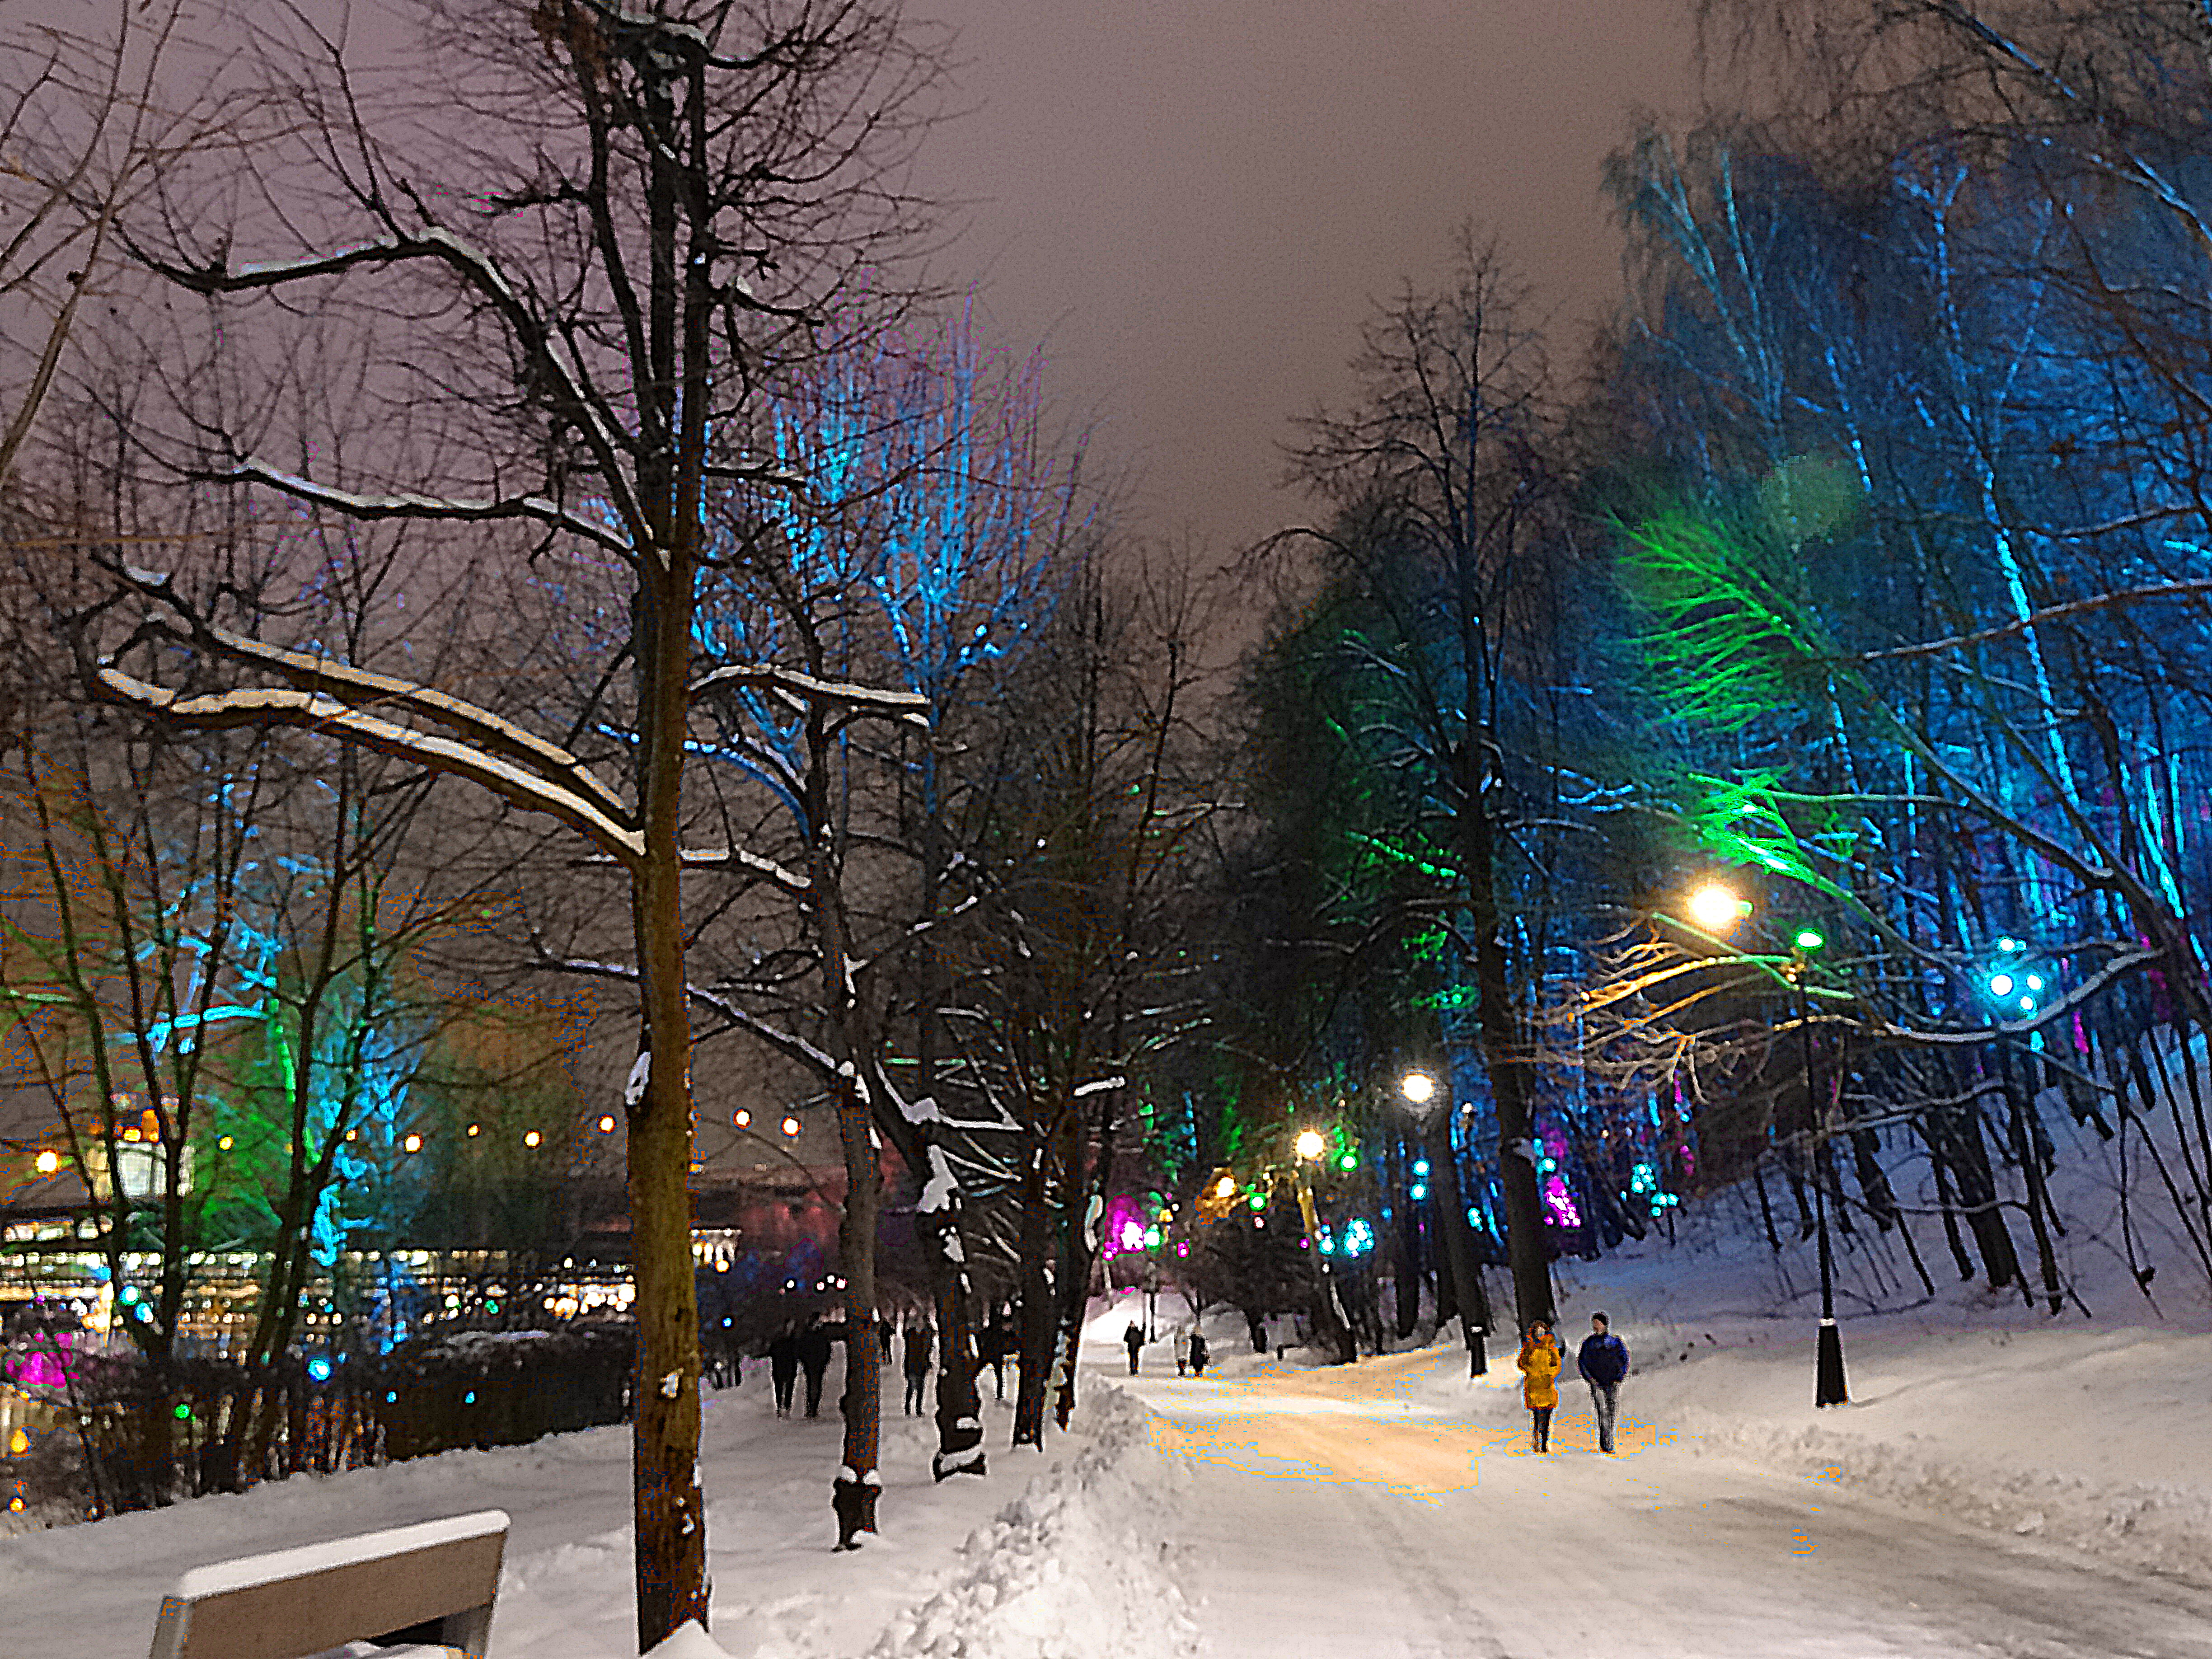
x=290 y=1603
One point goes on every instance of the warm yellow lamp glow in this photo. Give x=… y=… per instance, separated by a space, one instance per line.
x=1310 y=1144
x=1717 y=908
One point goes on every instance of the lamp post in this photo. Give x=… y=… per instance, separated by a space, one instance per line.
x=1716 y=909
x=1433 y=1119
x=1830 y=1387
x=2015 y=985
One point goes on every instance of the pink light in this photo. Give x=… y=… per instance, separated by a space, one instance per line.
x=1562 y=1203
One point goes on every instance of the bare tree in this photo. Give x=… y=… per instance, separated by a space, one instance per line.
x=570 y=287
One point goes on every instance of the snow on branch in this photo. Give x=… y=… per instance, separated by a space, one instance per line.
x=479 y=728
x=405 y=505
x=911 y=707
x=266 y=707
x=736 y=858
x=1101 y=1085
x=477 y=270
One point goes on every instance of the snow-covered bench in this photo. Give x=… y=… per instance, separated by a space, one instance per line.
x=433 y=1584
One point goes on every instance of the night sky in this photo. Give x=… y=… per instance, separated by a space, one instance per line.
x=1190 y=205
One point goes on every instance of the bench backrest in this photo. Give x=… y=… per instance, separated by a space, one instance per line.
x=440 y=1576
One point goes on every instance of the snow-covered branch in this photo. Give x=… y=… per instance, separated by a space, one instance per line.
x=267 y=706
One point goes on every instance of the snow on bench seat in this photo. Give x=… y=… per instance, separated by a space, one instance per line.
x=317 y=1598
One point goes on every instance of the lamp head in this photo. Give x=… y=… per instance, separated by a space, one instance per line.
x=1309 y=1144
x=1418 y=1087
x=1716 y=908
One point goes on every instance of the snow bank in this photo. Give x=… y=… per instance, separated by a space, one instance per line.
x=1074 y=1568
x=2165 y=1528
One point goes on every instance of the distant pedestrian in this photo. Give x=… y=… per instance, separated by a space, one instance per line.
x=1541 y=1357
x=998 y=1343
x=1198 y=1354
x=1259 y=1324
x=1603 y=1361
x=883 y=1340
x=1182 y=1350
x=783 y=1367
x=918 y=1339
x=814 y=1345
x=1133 y=1340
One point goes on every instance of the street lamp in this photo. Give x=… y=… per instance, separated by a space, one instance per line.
x=1830 y=1387
x=2017 y=987
x=1715 y=909
x=1442 y=1170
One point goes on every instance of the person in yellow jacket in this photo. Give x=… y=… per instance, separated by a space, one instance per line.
x=1541 y=1356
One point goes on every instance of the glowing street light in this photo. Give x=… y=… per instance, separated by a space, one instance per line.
x=1310 y=1144
x=1810 y=939
x=1418 y=1087
x=791 y=1126
x=532 y=1139
x=1225 y=1187
x=48 y=1161
x=607 y=1124
x=1716 y=908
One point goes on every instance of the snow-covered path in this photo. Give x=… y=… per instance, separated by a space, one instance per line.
x=1362 y=1514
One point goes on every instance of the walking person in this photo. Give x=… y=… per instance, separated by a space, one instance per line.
x=1133 y=1340
x=1198 y=1354
x=814 y=1346
x=1182 y=1350
x=1603 y=1361
x=1541 y=1357
x=918 y=1339
x=783 y=1367
x=998 y=1343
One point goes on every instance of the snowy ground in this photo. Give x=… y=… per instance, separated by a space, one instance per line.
x=1394 y=1511
x=2002 y=1483
x=1976 y=1499
x=979 y=1566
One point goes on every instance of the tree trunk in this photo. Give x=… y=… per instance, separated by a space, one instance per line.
x=1036 y=1309
x=959 y=1404
x=1469 y=1295
x=1526 y=1247
x=859 y=1482
x=669 y=1509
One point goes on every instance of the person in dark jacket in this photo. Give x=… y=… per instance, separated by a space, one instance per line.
x=1005 y=1343
x=1133 y=1340
x=783 y=1367
x=918 y=1339
x=815 y=1343
x=1197 y=1354
x=1603 y=1361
